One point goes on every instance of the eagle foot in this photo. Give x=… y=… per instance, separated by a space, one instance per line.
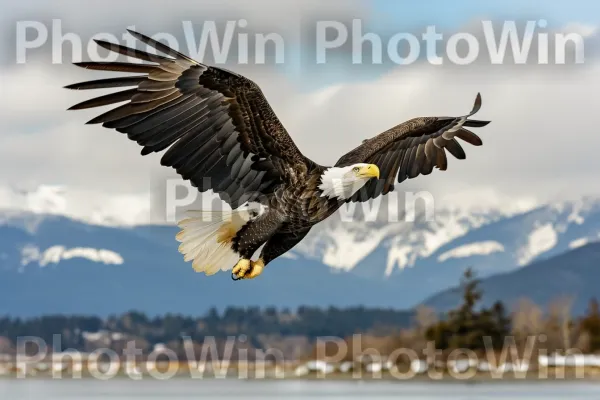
x=247 y=269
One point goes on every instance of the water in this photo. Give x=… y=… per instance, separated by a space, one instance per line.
x=123 y=389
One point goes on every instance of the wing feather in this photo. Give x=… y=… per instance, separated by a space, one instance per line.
x=455 y=149
x=216 y=126
x=413 y=148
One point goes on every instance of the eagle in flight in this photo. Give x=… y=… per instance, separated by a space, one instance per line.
x=221 y=134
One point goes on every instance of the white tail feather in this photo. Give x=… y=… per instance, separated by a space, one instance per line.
x=206 y=237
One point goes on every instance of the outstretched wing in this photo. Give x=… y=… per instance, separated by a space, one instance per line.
x=411 y=149
x=220 y=131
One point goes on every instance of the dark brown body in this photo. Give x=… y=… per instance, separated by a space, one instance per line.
x=292 y=210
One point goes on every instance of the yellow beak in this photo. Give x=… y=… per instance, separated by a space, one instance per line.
x=369 y=171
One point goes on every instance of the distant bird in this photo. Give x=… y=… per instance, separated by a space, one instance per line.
x=222 y=134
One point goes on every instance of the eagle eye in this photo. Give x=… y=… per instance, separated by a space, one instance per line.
x=356 y=169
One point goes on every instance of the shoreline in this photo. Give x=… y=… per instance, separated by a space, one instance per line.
x=508 y=377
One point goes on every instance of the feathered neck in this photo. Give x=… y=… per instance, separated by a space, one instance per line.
x=340 y=183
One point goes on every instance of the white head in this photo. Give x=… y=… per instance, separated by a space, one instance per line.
x=343 y=182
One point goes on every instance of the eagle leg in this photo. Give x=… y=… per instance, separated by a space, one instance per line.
x=247 y=269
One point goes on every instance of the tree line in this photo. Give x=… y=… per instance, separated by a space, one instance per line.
x=468 y=326
x=309 y=322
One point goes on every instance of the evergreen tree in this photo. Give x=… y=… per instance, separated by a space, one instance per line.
x=467 y=325
x=463 y=322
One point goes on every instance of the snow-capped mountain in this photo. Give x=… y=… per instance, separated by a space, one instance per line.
x=424 y=257
x=416 y=253
x=405 y=240
x=510 y=243
x=506 y=239
x=451 y=233
x=64 y=266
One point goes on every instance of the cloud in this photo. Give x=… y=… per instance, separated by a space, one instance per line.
x=586 y=30
x=542 y=142
x=83 y=204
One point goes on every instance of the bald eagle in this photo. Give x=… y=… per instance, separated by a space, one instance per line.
x=220 y=133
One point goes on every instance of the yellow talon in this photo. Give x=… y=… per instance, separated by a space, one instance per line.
x=240 y=269
x=257 y=268
x=247 y=269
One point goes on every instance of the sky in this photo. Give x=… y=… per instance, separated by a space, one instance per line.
x=541 y=145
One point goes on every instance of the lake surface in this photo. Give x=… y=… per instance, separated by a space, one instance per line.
x=123 y=389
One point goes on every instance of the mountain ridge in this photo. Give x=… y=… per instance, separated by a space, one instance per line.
x=146 y=255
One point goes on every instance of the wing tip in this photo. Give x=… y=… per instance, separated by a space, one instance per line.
x=476 y=104
x=95 y=120
x=137 y=35
x=81 y=64
x=104 y=44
